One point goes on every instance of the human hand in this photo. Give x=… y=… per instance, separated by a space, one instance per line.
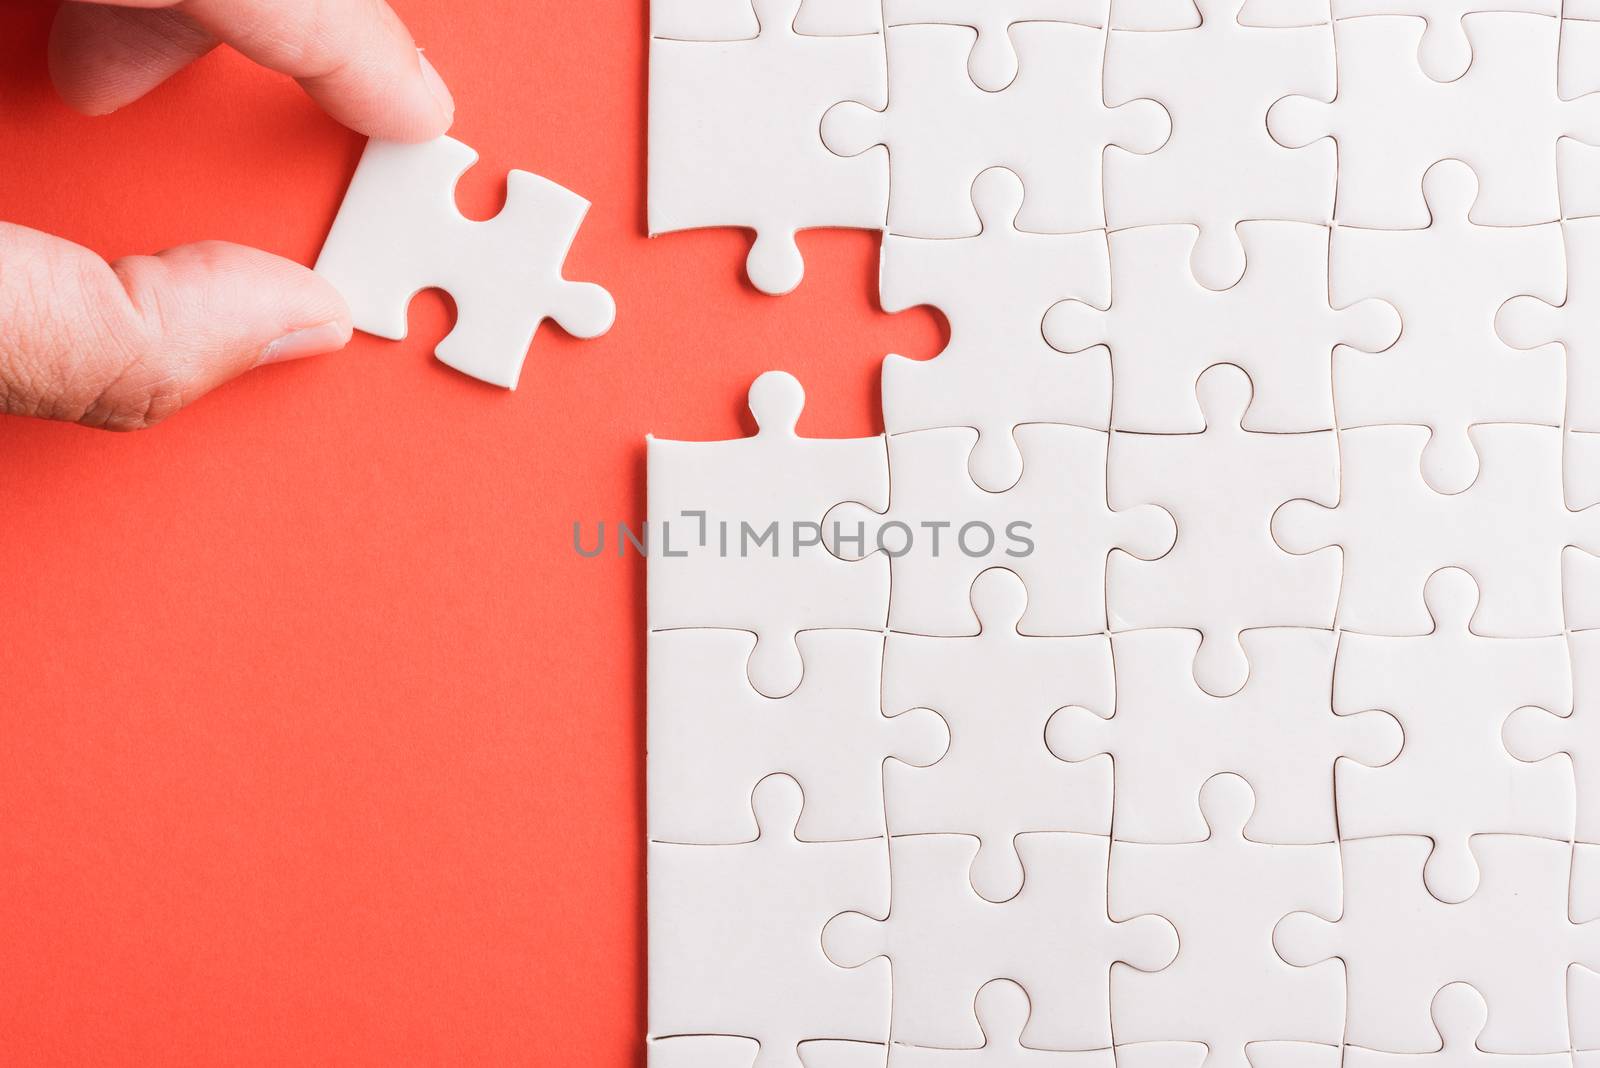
x=122 y=345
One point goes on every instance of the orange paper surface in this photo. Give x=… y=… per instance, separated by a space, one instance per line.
x=319 y=744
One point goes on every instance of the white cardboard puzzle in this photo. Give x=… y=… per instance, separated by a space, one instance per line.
x=1203 y=669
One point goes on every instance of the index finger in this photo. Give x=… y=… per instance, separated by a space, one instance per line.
x=354 y=57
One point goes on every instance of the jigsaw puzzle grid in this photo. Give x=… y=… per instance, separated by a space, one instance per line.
x=1205 y=666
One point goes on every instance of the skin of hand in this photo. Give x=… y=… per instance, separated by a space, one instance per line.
x=122 y=345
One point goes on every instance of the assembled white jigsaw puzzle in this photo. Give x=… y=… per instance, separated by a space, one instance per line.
x=1203 y=668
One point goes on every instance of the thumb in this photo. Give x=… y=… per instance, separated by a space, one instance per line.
x=123 y=345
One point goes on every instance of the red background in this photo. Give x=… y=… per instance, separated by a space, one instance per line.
x=318 y=742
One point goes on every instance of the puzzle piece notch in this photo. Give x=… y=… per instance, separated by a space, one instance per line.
x=399 y=231
x=733 y=938
x=1392 y=122
x=1168 y=736
x=1054 y=938
x=1512 y=940
x=1172 y=15
x=1053 y=528
x=737 y=20
x=754 y=106
x=1459 y=1016
x=1266 y=14
x=993 y=63
x=1508 y=530
x=1536 y=734
x=996 y=691
x=1050 y=125
x=1003 y=1012
x=779 y=478
x=1444 y=52
x=776 y=400
x=996 y=373
x=1530 y=322
x=731 y=1051
x=1217 y=80
x=1452 y=691
x=1164 y=328
x=712 y=737
x=1227 y=988
x=1225 y=574
x=1448 y=371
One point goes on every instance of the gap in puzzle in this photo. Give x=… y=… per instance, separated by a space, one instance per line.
x=1204 y=668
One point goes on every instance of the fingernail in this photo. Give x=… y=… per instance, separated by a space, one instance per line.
x=436 y=86
x=312 y=341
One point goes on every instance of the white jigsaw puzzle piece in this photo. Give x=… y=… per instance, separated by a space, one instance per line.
x=1452 y=691
x=1220 y=167
x=1050 y=126
x=1531 y=321
x=1572 y=730
x=1445 y=52
x=399 y=232
x=711 y=737
x=705 y=572
x=1055 y=938
x=1164 y=328
x=1507 y=531
x=733 y=138
x=1225 y=574
x=734 y=946
x=997 y=373
x=1053 y=528
x=993 y=62
x=996 y=690
x=1168 y=736
x=1228 y=987
x=1449 y=370
x=1512 y=940
x=1459 y=1016
x=1003 y=1010
x=1391 y=122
